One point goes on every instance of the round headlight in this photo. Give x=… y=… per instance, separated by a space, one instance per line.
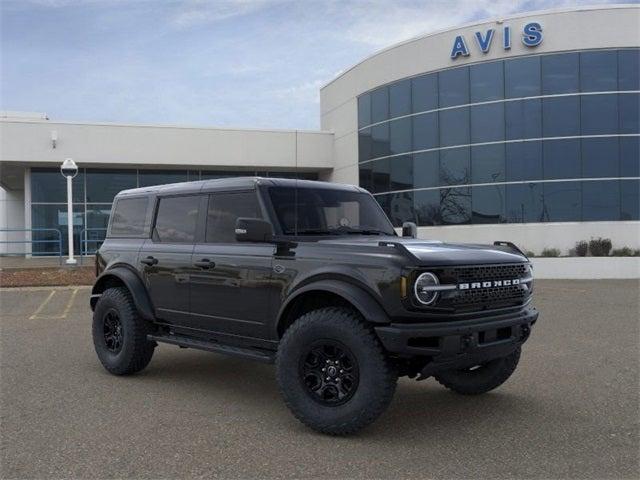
x=423 y=288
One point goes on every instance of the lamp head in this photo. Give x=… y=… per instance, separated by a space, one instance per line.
x=69 y=169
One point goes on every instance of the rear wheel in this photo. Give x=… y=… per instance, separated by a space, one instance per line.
x=120 y=334
x=332 y=371
x=480 y=378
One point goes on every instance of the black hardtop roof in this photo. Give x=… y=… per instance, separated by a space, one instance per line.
x=234 y=183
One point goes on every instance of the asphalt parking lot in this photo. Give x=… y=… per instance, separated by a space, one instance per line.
x=570 y=410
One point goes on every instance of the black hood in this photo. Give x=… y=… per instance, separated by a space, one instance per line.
x=435 y=253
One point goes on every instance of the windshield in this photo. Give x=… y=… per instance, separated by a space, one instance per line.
x=328 y=212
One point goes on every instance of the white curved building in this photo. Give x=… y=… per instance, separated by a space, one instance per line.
x=523 y=128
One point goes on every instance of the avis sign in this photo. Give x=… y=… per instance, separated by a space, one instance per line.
x=531 y=37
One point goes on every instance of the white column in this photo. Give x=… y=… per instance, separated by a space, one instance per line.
x=70 y=260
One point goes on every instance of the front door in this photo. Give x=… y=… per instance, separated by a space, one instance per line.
x=165 y=260
x=231 y=282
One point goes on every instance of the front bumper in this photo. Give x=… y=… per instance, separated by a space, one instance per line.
x=459 y=344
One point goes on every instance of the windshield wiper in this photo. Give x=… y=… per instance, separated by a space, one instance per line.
x=361 y=231
x=313 y=231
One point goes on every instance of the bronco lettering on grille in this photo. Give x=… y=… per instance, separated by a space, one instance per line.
x=493 y=283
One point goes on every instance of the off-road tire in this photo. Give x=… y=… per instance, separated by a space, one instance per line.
x=376 y=376
x=483 y=379
x=136 y=351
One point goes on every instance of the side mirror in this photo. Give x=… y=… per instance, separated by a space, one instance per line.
x=409 y=229
x=253 y=230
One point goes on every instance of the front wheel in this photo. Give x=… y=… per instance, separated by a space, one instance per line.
x=332 y=371
x=480 y=378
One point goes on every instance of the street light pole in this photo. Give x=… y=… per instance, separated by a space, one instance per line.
x=69 y=170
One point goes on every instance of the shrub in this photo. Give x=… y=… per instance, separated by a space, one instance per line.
x=600 y=247
x=530 y=254
x=582 y=247
x=622 y=252
x=636 y=252
x=550 y=252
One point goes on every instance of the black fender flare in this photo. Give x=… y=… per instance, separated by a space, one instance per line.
x=362 y=300
x=133 y=283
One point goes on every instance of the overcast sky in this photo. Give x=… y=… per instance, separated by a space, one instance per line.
x=244 y=63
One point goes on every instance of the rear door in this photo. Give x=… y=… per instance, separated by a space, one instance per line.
x=165 y=259
x=231 y=286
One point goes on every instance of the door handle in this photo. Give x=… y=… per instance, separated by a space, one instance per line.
x=149 y=261
x=205 y=263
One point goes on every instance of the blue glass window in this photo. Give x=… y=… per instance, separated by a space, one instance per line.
x=523 y=119
x=364 y=110
x=600 y=201
x=401 y=177
x=487 y=123
x=562 y=202
x=160 y=177
x=366 y=179
x=524 y=203
x=427 y=207
x=380 y=140
x=453 y=86
x=561 y=159
x=523 y=161
x=560 y=73
x=629 y=69
x=381 y=173
x=455 y=205
x=488 y=204
x=630 y=200
x=599 y=71
x=630 y=156
x=426 y=169
x=454 y=166
x=103 y=185
x=522 y=77
x=629 y=113
x=561 y=116
x=425 y=131
x=600 y=157
x=599 y=114
x=401 y=208
x=400 y=135
x=400 y=98
x=379 y=105
x=424 y=93
x=487 y=81
x=49 y=186
x=55 y=217
x=454 y=127
x=364 y=144
x=487 y=164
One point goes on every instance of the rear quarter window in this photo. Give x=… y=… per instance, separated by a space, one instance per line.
x=128 y=217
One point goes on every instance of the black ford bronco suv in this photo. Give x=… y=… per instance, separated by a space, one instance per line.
x=310 y=276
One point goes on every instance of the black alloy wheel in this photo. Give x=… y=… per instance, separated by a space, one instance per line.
x=112 y=331
x=329 y=372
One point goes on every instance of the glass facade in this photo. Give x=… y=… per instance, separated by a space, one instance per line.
x=545 y=138
x=93 y=193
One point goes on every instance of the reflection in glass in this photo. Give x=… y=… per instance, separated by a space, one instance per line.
x=488 y=204
x=561 y=116
x=630 y=200
x=455 y=205
x=454 y=127
x=424 y=93
x=400 y=99
x=453 y=86
x=598 y=71
x=425 y=131
x=364 y=145
x=380 y=140
x=381 y=172
x=379 y=104
x=523 y=119
x=426 y=169
x=630 y=157
x=401 y=208
x=427 y=207
x=55 y=217
x=49 y=186
x=487 y=123
x=455 y=166
x=562 y=202
x=629 y=113
x=600 y=157
x=523 y=161
x=365 y=177
x=104 y=185
x=524 y=203
x=487 y=163
x=400 y=135
x=487 y=81
x=600 y=201
x=522 y=77
x=561 y=159
x=364 y=110
x=629 y=69
x=401 y=172
x=599 y=114
x=560 y=73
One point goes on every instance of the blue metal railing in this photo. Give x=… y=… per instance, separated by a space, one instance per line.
x=57 y=241
x=91 y=236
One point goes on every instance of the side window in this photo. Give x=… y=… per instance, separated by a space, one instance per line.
x=128 y=217
x=176 y=219
x=224 y=210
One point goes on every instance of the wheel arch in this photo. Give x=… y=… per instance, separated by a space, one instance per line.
x=120 y=276
x=329 y=292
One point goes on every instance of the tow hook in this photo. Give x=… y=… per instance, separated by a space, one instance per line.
x=526 y=330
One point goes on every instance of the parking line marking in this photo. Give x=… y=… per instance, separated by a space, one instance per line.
x=42 y=305
x=70 y=303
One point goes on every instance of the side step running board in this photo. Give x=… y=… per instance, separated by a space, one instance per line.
x=249 y=353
